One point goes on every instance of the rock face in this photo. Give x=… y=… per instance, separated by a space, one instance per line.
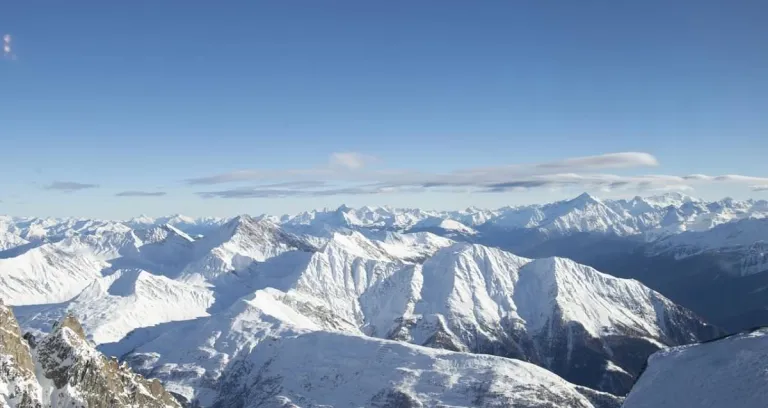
x=18 y=385
x=65 y=370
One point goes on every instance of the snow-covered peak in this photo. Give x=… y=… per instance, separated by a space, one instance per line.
x=414 y=245
x=445 y=225
x=600 y=303
x=354 y=244
x=674 y=199
x=49 y=273
x=638 y=206
x=112 y=306
x=267 y=338
x=584 y=213
x=584 y=199
x=237 y=245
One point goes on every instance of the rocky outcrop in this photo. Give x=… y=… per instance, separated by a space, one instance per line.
x=18 y=385
x=64 y=370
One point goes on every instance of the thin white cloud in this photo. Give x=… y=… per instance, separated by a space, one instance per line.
x=69 y=186
x=351 y=167
x=257 y=192
x=349 y=170
x=136 y=193
x=604 y=161
x=351 y=160
x=603 y=182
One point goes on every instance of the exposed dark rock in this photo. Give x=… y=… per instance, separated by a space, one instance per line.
x=17 y=375
x=82 y=377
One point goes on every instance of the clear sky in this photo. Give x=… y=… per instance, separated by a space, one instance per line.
x=114 y=109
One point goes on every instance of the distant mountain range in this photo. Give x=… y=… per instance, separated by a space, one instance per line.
x=379 y=306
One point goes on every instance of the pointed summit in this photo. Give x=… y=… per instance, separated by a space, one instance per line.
x=343 y=208
x=70 y=322
x=585 y=198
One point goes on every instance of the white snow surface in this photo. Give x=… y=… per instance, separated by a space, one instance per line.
x=447 y=225
x=725 y=373
x=318 y=368
x=46 y=274
x=112 y=306
x=352 y=276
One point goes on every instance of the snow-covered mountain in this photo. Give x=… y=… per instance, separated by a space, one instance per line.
x=204 y=303
x=445 y=227
x=190 y=225
x=63 y=370
x=729 y=372
x=261 y=352
x=46 y=274
x=478 y=299
x=238 y=244
x=654 y=216
x=747 y=237
x=112 y=306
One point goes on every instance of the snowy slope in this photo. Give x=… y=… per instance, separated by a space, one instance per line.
x=725 y=373
x=444 y=226
x=191 y=226
x=722 y=237
x=320 y=222
x=472 y=216
x=112 y=306
x=251 y=355
x=360 y=277
x=46 y=274
x=412 y=246
x=742 y=245
x=237 y=245
x=9 y=234
x=584 y=213
x=473 y=298
x=547 y=311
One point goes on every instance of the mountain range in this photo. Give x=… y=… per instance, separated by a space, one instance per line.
x=379 y=306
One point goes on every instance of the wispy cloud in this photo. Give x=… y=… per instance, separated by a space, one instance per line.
x=351 y=160
x=341 y=166
x=350 y=167
x=135 y=193
x=603 y=161
x=349 y=171
x=69 y=186
x=760 y=188
x=257 y=192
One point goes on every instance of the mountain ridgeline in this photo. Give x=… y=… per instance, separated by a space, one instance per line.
x=375 y=306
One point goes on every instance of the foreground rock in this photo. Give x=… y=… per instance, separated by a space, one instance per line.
x=65 y=370
x=730 y=372
x=18 y=385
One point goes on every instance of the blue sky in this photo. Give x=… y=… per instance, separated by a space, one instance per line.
x=427 y=103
